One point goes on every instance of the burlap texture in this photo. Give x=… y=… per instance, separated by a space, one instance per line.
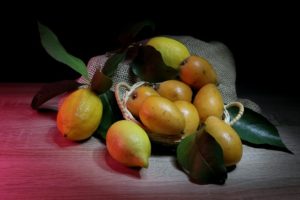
x=215 y=52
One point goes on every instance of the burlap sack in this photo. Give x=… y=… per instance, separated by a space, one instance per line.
x=215 y=52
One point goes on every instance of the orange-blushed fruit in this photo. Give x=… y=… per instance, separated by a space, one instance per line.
x=196 y=71
x=128 y=143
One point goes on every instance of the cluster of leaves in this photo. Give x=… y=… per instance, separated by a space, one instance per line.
x=199 y=155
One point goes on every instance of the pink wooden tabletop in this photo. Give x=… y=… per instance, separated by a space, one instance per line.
x=36 y=162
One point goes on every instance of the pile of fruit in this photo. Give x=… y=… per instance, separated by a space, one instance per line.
x=168 y=111
x=185 y=109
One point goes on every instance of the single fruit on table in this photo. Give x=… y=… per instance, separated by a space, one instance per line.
x=190 y=115
x=79 y=115
x=209 y=101
x=137 y=97
x=128 y=143
x=172 y=51
x=174 y=90
x=227 y=138
x=161 y=116
x=197 y=72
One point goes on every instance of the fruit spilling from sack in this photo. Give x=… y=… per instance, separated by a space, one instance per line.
x=176 y=104
x=171 y=110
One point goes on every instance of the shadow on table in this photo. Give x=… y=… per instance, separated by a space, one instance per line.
x=59 y=140
x=106 y=162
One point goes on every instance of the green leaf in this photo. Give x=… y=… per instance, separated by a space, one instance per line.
x=100 y=82
x=54 y=48
x=201 y=157
x=128 y=36
x=112 y=63
x=149 y=66
x=256 y=129
x=111 y=114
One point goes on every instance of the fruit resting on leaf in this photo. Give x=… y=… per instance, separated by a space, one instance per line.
x=79 y=115
x=227 y=138
x=128 y=143
x=172 y=51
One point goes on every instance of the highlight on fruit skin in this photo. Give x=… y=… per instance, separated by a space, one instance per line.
x=172 y=51
x=209 y=102
x=79 y=114
x=128 y=144
x=227 y=138
x=161 y=116
x=174 y=90
x=190 y=115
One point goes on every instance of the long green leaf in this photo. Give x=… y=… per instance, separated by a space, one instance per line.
x=54 y=48
x=256 y=129
x=201 y=157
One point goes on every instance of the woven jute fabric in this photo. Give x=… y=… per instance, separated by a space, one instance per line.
x=215 y=52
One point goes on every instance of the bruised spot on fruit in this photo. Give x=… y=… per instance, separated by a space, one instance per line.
x=184 y=62
x=134 y=95
x=156 y=87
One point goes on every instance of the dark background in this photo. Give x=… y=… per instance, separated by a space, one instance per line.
x=263 y=39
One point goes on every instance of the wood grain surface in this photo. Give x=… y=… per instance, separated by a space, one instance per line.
x=36 y=162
